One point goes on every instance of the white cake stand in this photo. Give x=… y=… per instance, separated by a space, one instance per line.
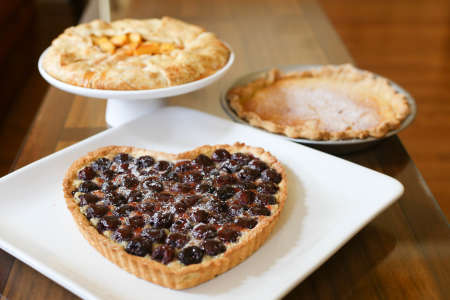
x=123 y=106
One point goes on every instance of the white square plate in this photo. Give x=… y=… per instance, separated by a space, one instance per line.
x=329 y=200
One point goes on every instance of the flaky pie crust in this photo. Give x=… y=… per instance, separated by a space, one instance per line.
x=176 y=275
x=75 y=59
x=392 y=106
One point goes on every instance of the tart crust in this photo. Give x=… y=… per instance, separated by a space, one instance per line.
x=175 y=275
x=327 y=103
x=74 y=57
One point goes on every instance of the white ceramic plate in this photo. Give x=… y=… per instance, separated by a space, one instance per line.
x=329 y=200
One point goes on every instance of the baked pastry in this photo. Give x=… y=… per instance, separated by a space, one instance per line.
x=134 y=54
x=327 y=103
x=176 y=220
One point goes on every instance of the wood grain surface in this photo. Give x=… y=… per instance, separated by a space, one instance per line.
x=402 y=254
x=408 y=42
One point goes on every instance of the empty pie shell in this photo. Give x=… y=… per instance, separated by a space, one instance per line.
x=326 y=103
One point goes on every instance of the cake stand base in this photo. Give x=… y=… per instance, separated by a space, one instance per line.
x=120 y=111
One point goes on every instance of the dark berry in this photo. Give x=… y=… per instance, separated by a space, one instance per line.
x=123 y=168
x=225 y=179
x=147 y=207
x=86 y=199
x=162 y=165
x=162 y=220
x=212 y=173
x=114 y=198
x=257 y=164
x=170 y=176
x=180 y=225
x=213 y=247
x=248 y=174
x=220 y=155
x=225 y=192
x=101 y=165
x=154 y=235
x=188 y=200
x=152 y=185
x=267 y=188
x=87 y=173
x=181 y=187
x=245 y=185
x=200 y=216
x=265 y=199
x=244 y=197
x=124 y=210
x=202 y=161
x=191 y=255
x=204 y=188
x=227 y=234
x=135 y=222
x=134 y=196
x=96 y=211
x=130 y=182
x=204 y=231
x=144 y=162
x=87 y=186
x=246 y=222
x=177 y=240
x=236 y=209
x=183 y=166
x=122 y=234
x=230 y=166
x=139 y=247
x=194 y=177
x=108 y=223
x=271 y=175
x=180 y=207
x=217 y=206
x=221 y=218
x=242 y=158
x=163 y=197
x=149 y=173
x=122 y=158
x=164 y=254
x=108 y=186
x=108 y=175
x=259 y=211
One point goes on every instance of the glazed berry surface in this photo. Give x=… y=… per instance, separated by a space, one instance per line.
x=173 y=211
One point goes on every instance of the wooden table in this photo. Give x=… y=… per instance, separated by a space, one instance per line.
x=403 y=254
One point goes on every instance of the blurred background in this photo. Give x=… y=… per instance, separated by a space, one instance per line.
x=407 y=41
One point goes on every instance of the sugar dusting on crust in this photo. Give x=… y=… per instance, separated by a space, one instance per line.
x=328 y=103
x=334 y=109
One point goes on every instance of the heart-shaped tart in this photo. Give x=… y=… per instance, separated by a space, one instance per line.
x=176 y=219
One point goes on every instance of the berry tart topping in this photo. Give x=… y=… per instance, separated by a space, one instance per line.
x=173 y=211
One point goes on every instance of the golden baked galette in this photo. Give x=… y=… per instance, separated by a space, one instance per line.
x=176 y=219
x=327 y=103
x=134 y=54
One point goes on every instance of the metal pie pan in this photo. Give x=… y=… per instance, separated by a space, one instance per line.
x=335 y=146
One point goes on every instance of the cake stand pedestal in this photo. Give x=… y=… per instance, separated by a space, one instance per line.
x=119 y=111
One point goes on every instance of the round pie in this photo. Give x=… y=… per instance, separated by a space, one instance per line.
x=327 y=103
x=134 y=54
x=176 y=220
